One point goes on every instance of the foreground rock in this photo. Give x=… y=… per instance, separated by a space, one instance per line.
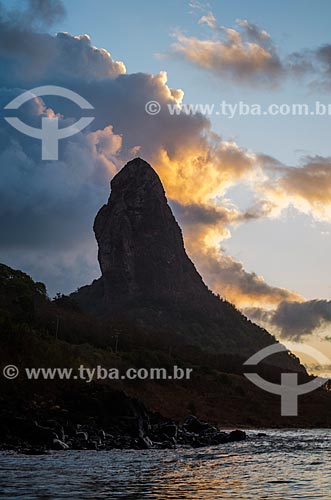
x=143 y=432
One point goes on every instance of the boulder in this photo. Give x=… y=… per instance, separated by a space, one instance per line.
x=237 y=435
x=193 y=424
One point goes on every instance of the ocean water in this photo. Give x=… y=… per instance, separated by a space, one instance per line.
x=282 y=465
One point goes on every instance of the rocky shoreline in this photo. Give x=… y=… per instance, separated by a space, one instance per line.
x=30 y=437
x=94 y=417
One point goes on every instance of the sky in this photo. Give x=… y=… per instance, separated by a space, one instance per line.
x=252 y=192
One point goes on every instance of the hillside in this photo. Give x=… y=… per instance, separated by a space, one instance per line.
x=37 y=332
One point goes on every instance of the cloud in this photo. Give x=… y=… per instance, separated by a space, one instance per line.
x=210 y=20
x=220 y=164
x=247 y=55
x=228 y=277
x=257 y=35
x=46 y=12
x=34 y=14
x=294 y=320
x=89 y=62
x=323 y=58
x=244 y=55
x=29 y=57
x=49 y=205
x=314 y=65
x=202 y=223
x=307 y=188
x=205 y=227
x=283 y=312
x=47 y=210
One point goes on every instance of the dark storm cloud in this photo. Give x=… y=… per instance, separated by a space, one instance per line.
x=295 y=320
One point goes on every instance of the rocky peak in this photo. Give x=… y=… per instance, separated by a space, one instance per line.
x=141 y=249
x=148 y=280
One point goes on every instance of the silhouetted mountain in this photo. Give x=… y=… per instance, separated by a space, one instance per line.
x=148 y=279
